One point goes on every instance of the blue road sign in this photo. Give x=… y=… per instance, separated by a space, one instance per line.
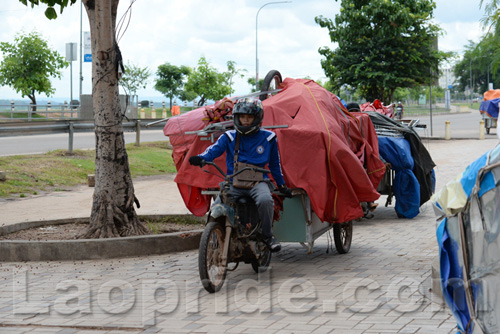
x=87 y=58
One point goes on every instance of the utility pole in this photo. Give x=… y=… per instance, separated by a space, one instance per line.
x=256 y=43
x=81 y=53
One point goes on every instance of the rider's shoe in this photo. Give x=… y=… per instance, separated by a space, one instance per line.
x=273 y=245
x=372 y=206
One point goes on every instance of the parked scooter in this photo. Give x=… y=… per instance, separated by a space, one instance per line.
x=233 y=234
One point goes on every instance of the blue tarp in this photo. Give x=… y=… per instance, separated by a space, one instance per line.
x=490 y=107
x=423 y=166
x=397 y=152
x=450 y=243
x=452 y=276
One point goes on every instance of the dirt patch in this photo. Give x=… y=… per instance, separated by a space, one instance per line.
x=71 y=231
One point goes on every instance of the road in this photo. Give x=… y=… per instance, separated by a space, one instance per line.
x=462 y=125
x=38 y=144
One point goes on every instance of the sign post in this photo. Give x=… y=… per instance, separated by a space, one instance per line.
x=71 y=56
x=87 y=47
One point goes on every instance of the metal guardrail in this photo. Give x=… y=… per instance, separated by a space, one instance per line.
x=42 y=111
x=70 y=127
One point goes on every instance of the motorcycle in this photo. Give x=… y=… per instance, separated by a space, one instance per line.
x=399 y=112
x=232 y=234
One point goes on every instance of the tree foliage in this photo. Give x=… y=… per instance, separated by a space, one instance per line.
x=207 y=82
x=170 y=80
x=134 y=78
x=477 y=66
x=491 y=20
x=187 y=95
x=251 y=82
x=480 y=62
x=382 y=45
x=29 y=64
x=489 y=45
x=50 y=12
x=232 y=72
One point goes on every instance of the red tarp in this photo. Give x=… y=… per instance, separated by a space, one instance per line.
x=379 y=107
x=323 y=151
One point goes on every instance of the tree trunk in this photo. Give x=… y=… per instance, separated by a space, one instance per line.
x=33 y=101
x=113 y=212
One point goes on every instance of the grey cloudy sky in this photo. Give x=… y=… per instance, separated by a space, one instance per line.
x=180 y=32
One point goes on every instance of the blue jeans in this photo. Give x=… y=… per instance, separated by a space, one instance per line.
x=261 y=194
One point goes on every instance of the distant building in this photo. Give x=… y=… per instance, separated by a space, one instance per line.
x=447 y=77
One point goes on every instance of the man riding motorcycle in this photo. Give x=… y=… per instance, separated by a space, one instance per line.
x=257 y=147
x=399 y=110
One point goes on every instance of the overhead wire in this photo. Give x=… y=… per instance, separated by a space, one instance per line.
x=126 y=17
x=119 y=60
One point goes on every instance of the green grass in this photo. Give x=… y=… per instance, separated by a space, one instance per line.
x=475 y=105
x=22 y=115
x=157 y=226
x=58 y=170
x=159 y=111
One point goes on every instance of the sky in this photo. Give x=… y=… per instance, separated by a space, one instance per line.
x=180 y=32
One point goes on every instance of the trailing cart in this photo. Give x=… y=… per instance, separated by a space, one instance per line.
x=298 y=222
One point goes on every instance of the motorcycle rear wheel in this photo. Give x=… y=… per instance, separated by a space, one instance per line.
x=212 y=271
x=342 y=234
x=272 y=81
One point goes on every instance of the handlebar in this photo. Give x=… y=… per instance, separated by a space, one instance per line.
x=204 y=162
x=257 y=169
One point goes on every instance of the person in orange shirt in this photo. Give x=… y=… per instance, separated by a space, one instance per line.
x=176 y=110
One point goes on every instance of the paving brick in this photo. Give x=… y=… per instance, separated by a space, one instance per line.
x=386 y=250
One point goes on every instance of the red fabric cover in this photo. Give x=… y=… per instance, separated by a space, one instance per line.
x=219 y=111
x=379 y=107
x=374 y=168
x=323 y=151
x=175 y=129
x=181 y=143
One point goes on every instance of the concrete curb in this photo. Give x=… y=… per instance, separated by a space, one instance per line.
x=89 y=249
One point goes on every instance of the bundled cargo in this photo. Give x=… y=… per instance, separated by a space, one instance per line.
x=326 y=151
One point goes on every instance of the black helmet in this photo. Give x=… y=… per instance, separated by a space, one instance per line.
x=248 y=106
x=353 y=106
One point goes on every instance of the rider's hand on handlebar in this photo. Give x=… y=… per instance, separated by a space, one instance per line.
x=196 y=160
x=287 y=192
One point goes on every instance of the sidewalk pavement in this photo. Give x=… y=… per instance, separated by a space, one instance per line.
x=157 y=195
x=381 y=286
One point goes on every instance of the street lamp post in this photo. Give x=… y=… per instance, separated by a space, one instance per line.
x=81 y=52
x=489 y=76
x=256 y=41
x=71 y=56
x=470 y=91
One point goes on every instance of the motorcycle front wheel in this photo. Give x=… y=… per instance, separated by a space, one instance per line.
x=210 y=264
x=262 y=263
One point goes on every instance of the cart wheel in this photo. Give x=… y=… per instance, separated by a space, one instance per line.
x=271 y=81
x=342 y=234
x=212 y=272
x=262 y=263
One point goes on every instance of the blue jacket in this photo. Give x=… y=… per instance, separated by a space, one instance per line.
x=258 y=149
